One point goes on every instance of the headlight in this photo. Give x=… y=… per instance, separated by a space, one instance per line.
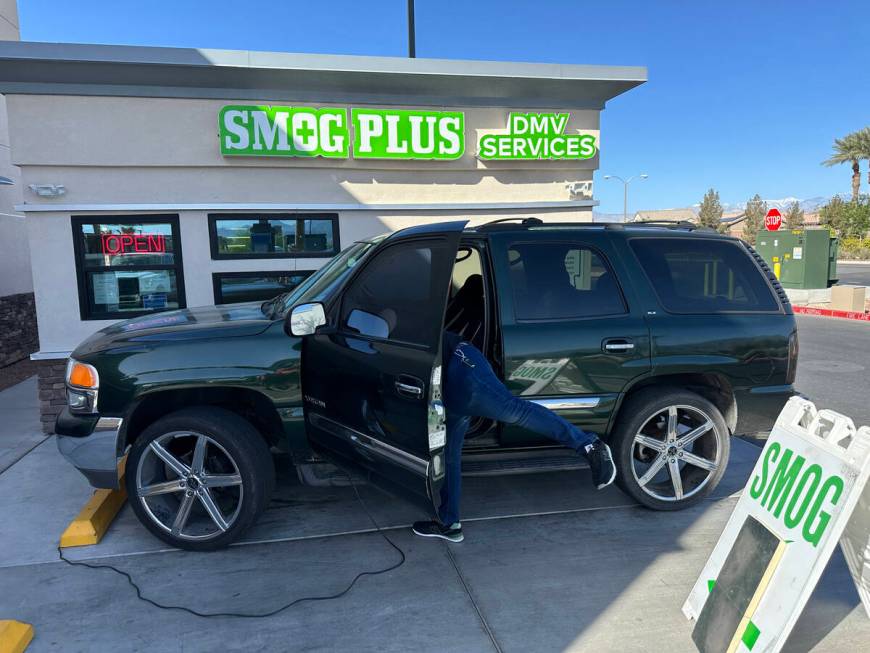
x=83 y=384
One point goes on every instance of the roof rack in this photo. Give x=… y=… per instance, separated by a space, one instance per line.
x=532 y=222
x=524 y=222
x=672 y=224
x=502 y=223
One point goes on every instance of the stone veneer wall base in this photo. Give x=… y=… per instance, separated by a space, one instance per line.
x=52 y=392
x=18 y=335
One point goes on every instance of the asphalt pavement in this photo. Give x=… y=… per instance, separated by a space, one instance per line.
x=833 y=364
x=853 y=274
x=548 y=563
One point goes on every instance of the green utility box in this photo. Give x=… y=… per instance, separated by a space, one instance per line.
x=800 y=258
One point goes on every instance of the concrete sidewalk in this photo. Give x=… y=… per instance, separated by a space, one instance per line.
x=548 y=565
x=20 y=429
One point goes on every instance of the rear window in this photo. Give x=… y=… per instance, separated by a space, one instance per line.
x=703 y=275
x=557 y=281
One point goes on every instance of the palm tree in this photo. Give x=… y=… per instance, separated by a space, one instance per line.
x=863 y=136
x=849 y=150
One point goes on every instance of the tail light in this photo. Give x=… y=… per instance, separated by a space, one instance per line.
x=791 y=371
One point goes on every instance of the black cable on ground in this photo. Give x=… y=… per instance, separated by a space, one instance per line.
x=254 y=615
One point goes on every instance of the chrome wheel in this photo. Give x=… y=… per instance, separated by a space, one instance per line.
x=189 y=485
x=676 y=452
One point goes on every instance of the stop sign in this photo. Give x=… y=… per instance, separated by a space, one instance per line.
x=773 y=220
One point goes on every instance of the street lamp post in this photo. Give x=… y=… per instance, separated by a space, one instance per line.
x=412 y=31
x=625 y=183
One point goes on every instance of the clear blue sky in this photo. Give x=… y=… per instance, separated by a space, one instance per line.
x=744 y=96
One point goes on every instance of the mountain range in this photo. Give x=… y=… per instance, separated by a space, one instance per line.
x=809 y=205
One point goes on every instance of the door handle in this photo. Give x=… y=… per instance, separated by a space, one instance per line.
x=618 y=345
x=409 y=390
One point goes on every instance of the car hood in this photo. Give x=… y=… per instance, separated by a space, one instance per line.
x=225 y=321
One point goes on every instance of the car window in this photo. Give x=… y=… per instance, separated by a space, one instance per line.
x=560 y=281
x=702 y=275
x=396 y=296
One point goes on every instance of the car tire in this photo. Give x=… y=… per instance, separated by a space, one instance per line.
x=648 y=453
x=199 y=499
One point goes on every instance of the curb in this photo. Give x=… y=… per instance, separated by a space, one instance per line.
x=14 y=636
x=95 y=518
x=829 y=312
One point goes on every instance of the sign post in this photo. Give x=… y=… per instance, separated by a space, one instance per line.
x=773 y=220
x=809 y=488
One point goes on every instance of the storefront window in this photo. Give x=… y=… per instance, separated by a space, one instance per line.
x=127 y=266
x=235 y=287
x=273 y=235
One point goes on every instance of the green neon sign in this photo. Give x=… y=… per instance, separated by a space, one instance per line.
x=254 y=130
x=537 y=136
x=283 y=131
x=407 y=134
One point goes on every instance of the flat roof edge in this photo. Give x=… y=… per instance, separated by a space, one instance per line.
x=21 y=51
x=128 y=54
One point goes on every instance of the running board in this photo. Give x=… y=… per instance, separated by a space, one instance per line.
x=502 y=464
x=324 y=474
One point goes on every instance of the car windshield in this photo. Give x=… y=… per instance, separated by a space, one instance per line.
x=320 y=284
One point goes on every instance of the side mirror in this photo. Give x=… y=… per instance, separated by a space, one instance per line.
x=304 y=319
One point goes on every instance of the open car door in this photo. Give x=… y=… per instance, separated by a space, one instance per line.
x=371 y=376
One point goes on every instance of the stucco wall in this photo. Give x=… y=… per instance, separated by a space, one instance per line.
x=9 y=25
x=15 y=274
x=60 y=326
x=148 y=131
x=114 y=151
x=14 y=259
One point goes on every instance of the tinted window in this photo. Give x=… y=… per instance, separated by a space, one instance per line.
x=400 y=294
x=695 y=275
x=562 y=280
x=127 y=266
x=235 y=287
x=273 y=236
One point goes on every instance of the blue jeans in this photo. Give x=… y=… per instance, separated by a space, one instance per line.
x=471 y=389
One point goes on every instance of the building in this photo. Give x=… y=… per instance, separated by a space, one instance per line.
x=812 y=219
x=732 y=223
x=164 y=178
x=17 y=312
x=666 y=215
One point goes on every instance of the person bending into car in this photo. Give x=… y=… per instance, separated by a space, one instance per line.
x=471 y=389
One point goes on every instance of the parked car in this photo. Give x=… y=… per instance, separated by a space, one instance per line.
x=665 y=340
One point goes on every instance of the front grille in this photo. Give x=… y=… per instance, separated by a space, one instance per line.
x=777 y=286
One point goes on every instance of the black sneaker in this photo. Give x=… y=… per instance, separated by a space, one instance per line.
x=601 y=462
x=436 y=529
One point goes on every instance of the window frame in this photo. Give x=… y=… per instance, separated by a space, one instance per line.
x=216 y=255
x=217 y=276
x=572 y=243
x=82 y=270
x=731 y=242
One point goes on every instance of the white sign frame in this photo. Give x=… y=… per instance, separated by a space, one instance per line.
x=830 y=440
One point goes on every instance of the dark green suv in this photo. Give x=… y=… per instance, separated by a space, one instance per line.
x=664 y=340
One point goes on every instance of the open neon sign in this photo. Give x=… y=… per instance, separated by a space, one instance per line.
x=117 y=244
